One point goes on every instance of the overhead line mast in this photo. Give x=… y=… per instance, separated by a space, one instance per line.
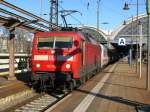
x=54 y=12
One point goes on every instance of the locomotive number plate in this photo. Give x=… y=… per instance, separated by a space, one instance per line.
x=41 y=57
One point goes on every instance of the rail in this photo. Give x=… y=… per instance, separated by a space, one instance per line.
x=22 y=63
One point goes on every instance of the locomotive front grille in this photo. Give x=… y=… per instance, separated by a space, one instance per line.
x=42 y=75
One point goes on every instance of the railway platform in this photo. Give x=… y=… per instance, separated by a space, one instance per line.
x=9 y=87
x=14 y=91
x=118 y=88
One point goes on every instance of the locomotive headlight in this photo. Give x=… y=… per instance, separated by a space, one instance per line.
x=37 y=65
x=68 y=66
x=53 y=52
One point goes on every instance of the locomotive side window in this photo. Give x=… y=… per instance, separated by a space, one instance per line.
x=63 y=42
x=45 y=42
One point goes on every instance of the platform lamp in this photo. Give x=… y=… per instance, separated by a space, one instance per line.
x=126 y=7
x=98 y=6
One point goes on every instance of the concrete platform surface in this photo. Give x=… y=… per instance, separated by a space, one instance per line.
x=9 y=87
x=118 y=88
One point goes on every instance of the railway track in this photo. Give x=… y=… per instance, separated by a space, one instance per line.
x=42 y=103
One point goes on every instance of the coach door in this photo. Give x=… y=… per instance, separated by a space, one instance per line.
x=82 y=46
x=83 y=52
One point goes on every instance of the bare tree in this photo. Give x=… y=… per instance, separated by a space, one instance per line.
x=4 y=34
x=23 y=38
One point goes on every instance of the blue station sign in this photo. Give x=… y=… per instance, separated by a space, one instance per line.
x=122 y=42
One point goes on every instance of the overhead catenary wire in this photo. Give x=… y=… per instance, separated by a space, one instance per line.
x=72 y=16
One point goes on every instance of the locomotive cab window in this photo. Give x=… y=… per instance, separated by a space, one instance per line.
x=44 y=42
x=55 y=42
x=63 y=42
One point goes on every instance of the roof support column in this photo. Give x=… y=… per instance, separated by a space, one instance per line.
x=11 y=57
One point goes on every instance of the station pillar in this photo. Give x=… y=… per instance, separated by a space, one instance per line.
x=11 y=57
x=130 y=57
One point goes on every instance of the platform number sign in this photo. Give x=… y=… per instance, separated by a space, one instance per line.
x=122 y=42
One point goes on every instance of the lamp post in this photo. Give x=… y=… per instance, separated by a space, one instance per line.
x=131 y=48
x=132 y=42
x=126 y=7
x=148 y=45
x=41 y=8
x=98 y=1
x=137 y=18
x=140 y=44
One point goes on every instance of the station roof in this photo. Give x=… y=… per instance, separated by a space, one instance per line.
x=24 y=19
x=99 y=35
x=130 y=31
x=9 y=22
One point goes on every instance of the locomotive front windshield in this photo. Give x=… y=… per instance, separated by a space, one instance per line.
x=54 y=42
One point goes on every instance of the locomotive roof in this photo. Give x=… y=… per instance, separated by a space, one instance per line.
x=56 y=33
x=84 y=36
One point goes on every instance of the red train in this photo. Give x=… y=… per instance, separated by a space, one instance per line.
x=65 y=59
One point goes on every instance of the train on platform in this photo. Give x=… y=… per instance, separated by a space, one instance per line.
x=66 y=59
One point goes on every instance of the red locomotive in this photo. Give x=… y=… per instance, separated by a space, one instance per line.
x=64 y=58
